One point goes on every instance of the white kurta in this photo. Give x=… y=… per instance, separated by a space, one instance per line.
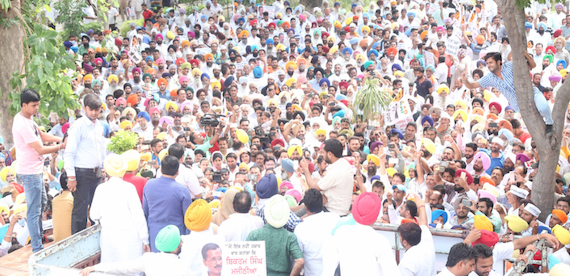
x=118 y=208
x=371 y=254
x=238 y=226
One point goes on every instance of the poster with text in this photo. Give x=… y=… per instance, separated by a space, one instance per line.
x=244 y=258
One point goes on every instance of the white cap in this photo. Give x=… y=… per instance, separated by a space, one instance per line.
x=498 y=141
x=522 y=193
x=532 y=209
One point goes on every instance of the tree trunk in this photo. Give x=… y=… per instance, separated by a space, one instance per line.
x=11 y=60
x=548 y=147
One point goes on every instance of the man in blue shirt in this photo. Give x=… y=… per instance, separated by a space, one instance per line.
x=165 y=201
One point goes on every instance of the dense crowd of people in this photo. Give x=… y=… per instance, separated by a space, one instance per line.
x=246 y=131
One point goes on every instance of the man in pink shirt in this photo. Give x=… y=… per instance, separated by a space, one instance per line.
x=28 y=139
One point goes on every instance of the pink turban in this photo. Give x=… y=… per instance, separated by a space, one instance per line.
x=98 y=60
x=484 y=158
x=366 y=208
x=294 y=193
x=191 y=34
x=287 y=184
x=522 y=157
x=554 y=78
x=153 y=110
x=182 y=78
x=64 y=128
x=485 y=194
x=136 y=69
x=160 y=61
x=186 y=103
x=166 y=119
x=120 y=100
x=302 y=17
x=156 y=37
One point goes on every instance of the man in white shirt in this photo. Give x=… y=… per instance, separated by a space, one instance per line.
x=185 y=176
x=314 y=232
x=419 y=259
x=238 y=226
x=460 y=261
x=371 y=253
x=337 y=184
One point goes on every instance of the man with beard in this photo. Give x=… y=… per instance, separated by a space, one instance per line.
x=497 y=157
x=461 y=212
x=301 y=70
x=372 y=169
x=113 y=85
x=142 y=128
x=561 y=52
x=460 y=187
x=481 y=162
x=336 y=185
x=530 y=214
x=115 y=70
x=209 y=66
x=354 y=146
x=154 y=116
x=470 y=151
x=484 y=207
x=161 y=67
x=136 y=82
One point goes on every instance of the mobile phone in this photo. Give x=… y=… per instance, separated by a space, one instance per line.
x=391 y=146
x=463 y=175
x=444 y=164
x=493 y=125
x=440 y=169
x=393 y=161
x=512 y=179
x=466 y=202
x=252 y=177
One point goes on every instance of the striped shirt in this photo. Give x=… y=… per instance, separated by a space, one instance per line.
x=505 y=85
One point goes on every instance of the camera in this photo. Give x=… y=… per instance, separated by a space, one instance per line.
x=216 y=177
x=210 y=120
x=263 y=137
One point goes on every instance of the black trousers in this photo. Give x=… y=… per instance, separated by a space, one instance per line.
x=87 y=182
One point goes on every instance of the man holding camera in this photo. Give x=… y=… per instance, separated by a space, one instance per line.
x=205 y=141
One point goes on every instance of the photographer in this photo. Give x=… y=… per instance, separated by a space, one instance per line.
x=211 y=137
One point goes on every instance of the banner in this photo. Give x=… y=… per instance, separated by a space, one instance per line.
x=244 y=258
x=134 y=51
x=398 y=113
x=269 y=9
x=452 y=46
x=429 y=58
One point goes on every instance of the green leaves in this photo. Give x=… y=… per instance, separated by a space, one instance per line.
x=123 y=141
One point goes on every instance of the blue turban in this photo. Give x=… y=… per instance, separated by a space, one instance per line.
x=337 y=4
x=376 y=44
x=400 y=135
x=481 y=62
x=375 y=177
x=346 y=50
x=204 y=75
x=508 y=134
x=354 y=5
x=145 y=115
x=241 y=20
x=257 y=72
x=373 y=52
x=148 y=58
x=412 y=14
x=287 y=165
x=74 y=49
x=289 y=104
x=340 y=97
x=229 y=81
x=396 y=66
x=67 y=44
x=267 y=186
x=563 y=63
x=438 y=213
x=324 y=80
x=269 y=41
x=164 y=75
x=339 y=113
x=254 y=47
x=353 y=41
x=428 y=119
x=528 y=25
x=510 y=108
x=543 y=25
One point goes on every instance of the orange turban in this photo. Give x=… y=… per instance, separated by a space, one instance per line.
x=486 y=179
x=132 y=100
x=208 y=56
x=506 y=124
x=392 y=50
x=162 y=80
x=561 y=215
x=173 y=92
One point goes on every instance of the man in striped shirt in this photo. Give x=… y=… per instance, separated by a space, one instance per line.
x=501 y=77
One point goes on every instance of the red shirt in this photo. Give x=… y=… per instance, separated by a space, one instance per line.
x=524 y=136
x=138 y=181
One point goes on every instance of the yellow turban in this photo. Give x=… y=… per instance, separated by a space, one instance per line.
x=4 y=208
x=126 y=123
x=337 y=24
x=20 y=208
x=461 y=103
x=391 y=171
x=170 y=35
x=374 y=159
x=112 y=78
x=147 y=156
x=198 y=216
x=333 y=49
x=280 y=47
x=366 y=28
x=561 y=234
x=290 y=82
x=243 y=165
x=563 y=72
x=4 y=173
x=133 y=158
x=348 y=21
x=482 y=223
x=398 y=74
x=215 y=204
x=162 y=154
x=296 y=107
x=217 y=83
x=429 y=145
x=291 y=64
x=560 y=269
x=491 y=189
x=169 y=104
x=292 y=149
x=460 y=112
x=88 y=77
x=115 y=165
x=516 y=223
x=20 y=199
x=442 y=87
x=321 y=131
x=196 y=71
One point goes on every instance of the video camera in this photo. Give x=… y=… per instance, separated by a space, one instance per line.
x=210 y=120
x=263 y=137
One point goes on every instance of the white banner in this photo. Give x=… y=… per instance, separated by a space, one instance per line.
x=269 y=9
x=452 y=46
x=134 y=51
x=398 y=113
x=244 y=258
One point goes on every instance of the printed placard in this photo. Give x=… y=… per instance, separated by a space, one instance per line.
x=244 y=258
